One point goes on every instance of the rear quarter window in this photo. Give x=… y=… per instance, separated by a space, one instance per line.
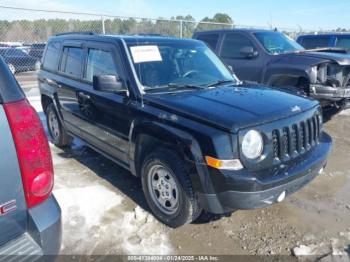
x=210 y=39
x=52 y=55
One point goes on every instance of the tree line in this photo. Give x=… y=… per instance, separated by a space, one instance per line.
x=40 y=30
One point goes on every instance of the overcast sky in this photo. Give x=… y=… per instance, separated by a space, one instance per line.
x=316 y=14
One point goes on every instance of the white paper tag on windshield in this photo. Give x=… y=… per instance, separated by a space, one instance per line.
x=146 y=53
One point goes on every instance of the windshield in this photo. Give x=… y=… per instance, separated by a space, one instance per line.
x=278 y=43
x=162 y=65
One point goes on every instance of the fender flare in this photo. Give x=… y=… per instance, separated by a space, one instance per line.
x=172 y=136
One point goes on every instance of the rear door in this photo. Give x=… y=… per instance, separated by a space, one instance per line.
x=69 y=86
x=13 y=213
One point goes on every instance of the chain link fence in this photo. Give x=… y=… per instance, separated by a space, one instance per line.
x=24 y=32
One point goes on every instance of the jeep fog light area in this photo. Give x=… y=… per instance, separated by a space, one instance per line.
x=169 y=111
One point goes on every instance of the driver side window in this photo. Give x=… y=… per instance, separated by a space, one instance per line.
x=99 y=63
x=233 y=44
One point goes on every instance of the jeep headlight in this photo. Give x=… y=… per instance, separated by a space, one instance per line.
x=252 y=144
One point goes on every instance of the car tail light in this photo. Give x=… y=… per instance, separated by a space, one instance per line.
x=33 y=151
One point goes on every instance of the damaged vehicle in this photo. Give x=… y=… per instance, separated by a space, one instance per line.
x=169 y=111
x=274 y=59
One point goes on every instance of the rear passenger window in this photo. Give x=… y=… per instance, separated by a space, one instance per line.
x=343 y=42
x=232 y=45
x=51 y=56
x=210 y=39
x=72 y=61
x=312 y=43
x=99 y=63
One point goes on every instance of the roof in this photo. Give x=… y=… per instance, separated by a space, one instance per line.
x=323 y=35
x=235 y=30
x=126 y=38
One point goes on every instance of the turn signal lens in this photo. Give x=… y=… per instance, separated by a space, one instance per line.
x=233 y=164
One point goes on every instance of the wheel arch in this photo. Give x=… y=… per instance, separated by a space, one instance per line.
x=148 y=135
x=295 y=78
x=45 y=101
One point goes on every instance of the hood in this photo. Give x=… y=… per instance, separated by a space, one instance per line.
x=232 y=107
x=341 y=59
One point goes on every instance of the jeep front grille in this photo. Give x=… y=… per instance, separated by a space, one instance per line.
x=296 y=139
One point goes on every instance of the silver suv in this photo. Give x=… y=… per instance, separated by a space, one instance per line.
x=30 y=217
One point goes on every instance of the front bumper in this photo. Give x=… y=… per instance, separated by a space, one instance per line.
x=334 y=94
x=249 y=191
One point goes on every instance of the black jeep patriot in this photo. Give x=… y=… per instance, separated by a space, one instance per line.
x=272 y=58
x=169 y=111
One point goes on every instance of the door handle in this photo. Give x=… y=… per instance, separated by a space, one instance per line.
x=83 y=96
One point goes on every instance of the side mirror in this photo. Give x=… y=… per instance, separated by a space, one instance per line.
x=107 y=83
x=248 y=52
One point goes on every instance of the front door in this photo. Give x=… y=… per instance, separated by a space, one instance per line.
x=107 y=113
x=245 y=68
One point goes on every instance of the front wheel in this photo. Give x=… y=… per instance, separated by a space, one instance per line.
x=168 y=189
x=57 y=132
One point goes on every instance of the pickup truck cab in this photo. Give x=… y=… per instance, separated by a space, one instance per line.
x=273 y=58
x=171 y=113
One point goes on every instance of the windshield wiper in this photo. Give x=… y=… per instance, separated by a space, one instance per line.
x=172 y=86
x=220 y=82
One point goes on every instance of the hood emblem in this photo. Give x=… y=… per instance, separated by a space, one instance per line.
x=296 y=109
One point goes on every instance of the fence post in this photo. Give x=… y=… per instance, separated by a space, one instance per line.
x=181 y=28
x=103 y=25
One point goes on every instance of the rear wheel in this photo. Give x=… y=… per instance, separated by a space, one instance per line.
x=168 y=189
x=57 y=132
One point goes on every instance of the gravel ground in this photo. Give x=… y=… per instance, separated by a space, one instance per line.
x=104 y=211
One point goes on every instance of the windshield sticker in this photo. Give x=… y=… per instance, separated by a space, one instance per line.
x=147 y=53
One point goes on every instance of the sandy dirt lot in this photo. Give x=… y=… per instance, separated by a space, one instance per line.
x=104 y=211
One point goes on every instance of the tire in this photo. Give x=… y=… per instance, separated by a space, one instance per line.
x=12 y=68
x=59 y=136
x=182 y=206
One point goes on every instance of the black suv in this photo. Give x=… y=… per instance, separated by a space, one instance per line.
x=272 y=58
x=169 y=111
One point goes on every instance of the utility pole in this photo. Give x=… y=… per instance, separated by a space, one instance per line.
x=103 y=25
x=181 y=28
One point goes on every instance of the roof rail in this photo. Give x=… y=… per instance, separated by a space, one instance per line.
x=145 y=34
x=77 y=33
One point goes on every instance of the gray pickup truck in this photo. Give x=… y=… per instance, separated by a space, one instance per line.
x=30 y=217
